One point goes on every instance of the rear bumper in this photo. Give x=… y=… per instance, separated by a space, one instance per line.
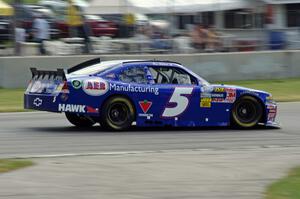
x=57 y=104
x=41 y=102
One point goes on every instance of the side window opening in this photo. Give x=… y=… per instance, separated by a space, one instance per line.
x=133 y=75
x=161 y=75
x=164 y=75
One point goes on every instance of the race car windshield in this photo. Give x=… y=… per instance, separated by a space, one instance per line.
x=202 y=81
x=97 y=68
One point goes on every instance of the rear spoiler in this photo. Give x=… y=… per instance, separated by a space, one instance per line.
x=61 y=72
x=42 y=73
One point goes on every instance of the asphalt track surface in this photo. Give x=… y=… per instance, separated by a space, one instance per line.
x=210 y=163
x=48 y=134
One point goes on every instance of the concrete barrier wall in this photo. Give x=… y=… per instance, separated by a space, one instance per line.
x=14 y=71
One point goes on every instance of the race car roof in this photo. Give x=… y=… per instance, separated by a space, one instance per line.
x=95 y=66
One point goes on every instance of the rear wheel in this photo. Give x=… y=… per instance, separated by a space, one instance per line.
x=117 y=113
x=80 y=120
x=247 y=112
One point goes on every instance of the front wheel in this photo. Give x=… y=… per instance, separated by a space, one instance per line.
x=117 y=113
x=247 y=112
x=80 y=120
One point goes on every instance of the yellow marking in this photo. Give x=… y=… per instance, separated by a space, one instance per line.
x=205 y=102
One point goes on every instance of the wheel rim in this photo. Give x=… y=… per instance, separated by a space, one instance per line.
x=246 y=111
x=118 y=113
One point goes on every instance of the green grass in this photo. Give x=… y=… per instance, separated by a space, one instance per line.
x=13 y=164
x=284 y=90
x=285 y=188
x=11 y=100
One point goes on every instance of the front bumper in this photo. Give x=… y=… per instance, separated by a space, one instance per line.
x=273 y=125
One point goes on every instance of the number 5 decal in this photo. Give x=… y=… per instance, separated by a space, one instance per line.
x=178 y=102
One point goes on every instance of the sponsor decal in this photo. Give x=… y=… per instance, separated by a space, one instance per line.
x=230 y=95
x=206 y=89
x=205 y=102
x=217 y=100
x=212 y=95
x=219 y=89
x=90 y=109
x=64 y=88
x=64 y=97
x=145 y=105
x=111 y=76
x=217 y=95
x=163 y=64
x=179 y=102
x=95 y=87
x=37 y=85
x=147 y=115
x=205 y=95
x=272 y=112
x=37 y=102
x=65 y=91
x=59 y=88
x=271 y=107
x=271 y=116
x=134 y=89
x=76 y=84
x=73 y=108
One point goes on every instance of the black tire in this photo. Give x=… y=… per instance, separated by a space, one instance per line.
x=247 y=112
x=117 y=113
x=80 y=120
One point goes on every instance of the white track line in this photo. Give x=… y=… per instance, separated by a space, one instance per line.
x=249 y=148
x=24 y=113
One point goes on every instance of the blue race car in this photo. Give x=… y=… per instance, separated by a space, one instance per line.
x=117 y=94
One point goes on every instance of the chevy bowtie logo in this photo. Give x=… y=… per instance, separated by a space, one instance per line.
x=37 y=102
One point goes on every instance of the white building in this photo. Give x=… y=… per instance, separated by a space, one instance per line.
x=251 y=22
x=248 y=20
x=286 y=13
x=224 y=14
